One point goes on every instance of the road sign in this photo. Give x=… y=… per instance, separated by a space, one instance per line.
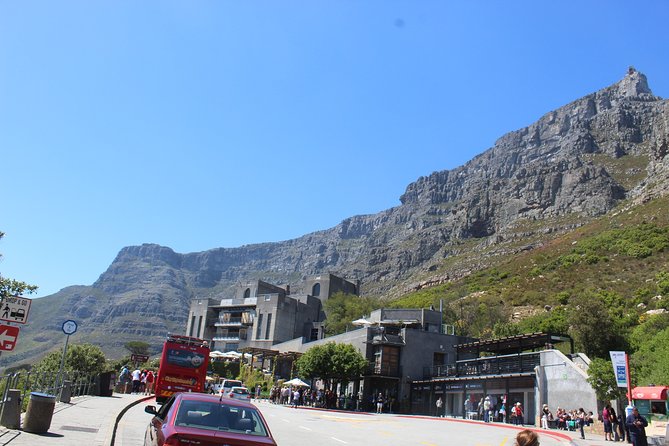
x=15 y=309
x=8 y=337
x=139 y=358
x=69 y=327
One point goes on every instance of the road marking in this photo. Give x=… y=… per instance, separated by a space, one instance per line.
x=283 y=419
x=503 y=441
x=427 y=444
x=337 y=439
x=305 y=428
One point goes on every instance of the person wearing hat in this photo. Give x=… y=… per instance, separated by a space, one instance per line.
x=518 y=414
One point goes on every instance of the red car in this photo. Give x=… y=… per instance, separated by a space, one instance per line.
x=206 y=420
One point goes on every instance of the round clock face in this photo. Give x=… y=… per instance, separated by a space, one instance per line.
x=69 y=327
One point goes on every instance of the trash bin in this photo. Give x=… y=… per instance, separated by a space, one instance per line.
x=39 y=413
x=104 y=384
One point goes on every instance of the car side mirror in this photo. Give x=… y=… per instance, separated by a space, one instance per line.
x=151 y=409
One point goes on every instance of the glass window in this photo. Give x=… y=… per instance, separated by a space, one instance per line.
x=214 y=415
x=269 y=324
x=259 y=327
x=316 y=290
x=247 y=293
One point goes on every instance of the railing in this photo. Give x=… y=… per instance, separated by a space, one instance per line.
x=383 y=370
x=46 y=382
x=493 y=365
x=229 y=321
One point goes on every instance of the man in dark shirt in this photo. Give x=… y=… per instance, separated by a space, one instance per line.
x=636 y=425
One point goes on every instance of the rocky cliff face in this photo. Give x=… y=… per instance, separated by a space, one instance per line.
x=573 y=164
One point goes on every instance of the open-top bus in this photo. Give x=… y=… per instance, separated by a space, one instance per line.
x=183 y=366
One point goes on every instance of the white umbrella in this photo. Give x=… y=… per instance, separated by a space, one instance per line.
x=296 y=382
x=362 y=321
x=216 y=354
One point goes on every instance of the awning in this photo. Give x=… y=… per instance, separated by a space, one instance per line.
x=650 y=393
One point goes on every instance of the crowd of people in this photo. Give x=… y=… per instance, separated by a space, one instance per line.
x=299 y=396
x=138 y=381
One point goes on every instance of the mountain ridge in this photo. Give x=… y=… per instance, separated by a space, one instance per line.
x=573 y=164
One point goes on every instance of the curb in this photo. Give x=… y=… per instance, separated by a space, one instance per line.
x=112 y=440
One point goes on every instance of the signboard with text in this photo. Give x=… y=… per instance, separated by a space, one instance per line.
x=15 y=309
x=619 y=367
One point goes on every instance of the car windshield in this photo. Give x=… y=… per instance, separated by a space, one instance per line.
x=214 y=415
x=240 y=390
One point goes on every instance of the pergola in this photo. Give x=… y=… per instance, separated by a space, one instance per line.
x=514 y=344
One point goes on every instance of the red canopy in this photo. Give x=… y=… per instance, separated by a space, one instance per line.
x=650 y=393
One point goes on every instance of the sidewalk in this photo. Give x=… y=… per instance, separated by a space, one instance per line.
x=87 y=420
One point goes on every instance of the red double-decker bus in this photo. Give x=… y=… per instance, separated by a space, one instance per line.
x=183 y=366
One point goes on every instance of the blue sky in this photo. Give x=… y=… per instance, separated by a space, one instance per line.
x=205 y=124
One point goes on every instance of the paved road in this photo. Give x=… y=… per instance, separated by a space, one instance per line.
x=304 y=427
x=326 y=428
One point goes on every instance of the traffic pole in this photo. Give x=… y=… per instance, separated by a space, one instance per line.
x=629 y=380
x=62 y=364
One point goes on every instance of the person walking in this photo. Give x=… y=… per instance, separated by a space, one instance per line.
x=150 y=379
x=628 y=411
x=439 y=404
x=581 y=422
x=637 y=428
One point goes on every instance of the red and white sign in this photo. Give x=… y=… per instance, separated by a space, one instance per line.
x=15 y=309
x=8 y=337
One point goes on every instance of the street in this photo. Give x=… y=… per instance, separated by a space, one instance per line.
x=306 y=427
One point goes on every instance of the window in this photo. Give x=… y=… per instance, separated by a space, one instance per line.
x=192 y=326
x=247 y=293
x=199 y=327
x=269 y=324
x=314 y=334
x=259 y=327
x=316 y=290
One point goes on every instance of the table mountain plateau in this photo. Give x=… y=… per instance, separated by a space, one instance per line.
x=574 y=164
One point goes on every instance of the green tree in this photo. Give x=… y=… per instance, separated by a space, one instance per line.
x=11 y=287
x=341 y=309
x=603 y=381
x=332 y=362
x=84 y=358
x=651 y=361
x=137 y=347
x=592 y=327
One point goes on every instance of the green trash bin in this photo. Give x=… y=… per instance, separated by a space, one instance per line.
x=39 y=412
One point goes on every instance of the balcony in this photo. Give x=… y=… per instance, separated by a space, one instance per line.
x=229 y=322
x=229 y=335
x=387 y=336
x=493 y=365
x=394 y=371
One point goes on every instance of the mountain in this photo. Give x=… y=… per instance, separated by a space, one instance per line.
x=572 y=166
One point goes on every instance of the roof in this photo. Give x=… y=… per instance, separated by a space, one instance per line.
x=512 y=344
x=650 y=393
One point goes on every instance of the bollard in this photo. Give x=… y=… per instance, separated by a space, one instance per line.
x=39 y=413
x=66 y=392
x=11 y=410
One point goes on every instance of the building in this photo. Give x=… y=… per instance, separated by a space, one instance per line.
x=398 y=343
x=259 y=314
x=525 y=368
